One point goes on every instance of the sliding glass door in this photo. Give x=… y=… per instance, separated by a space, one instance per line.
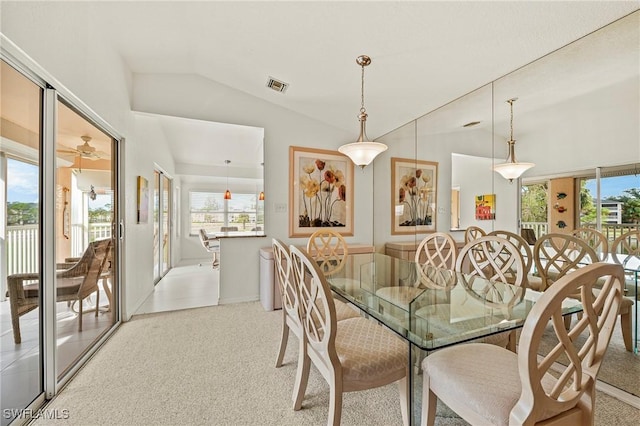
x=85 y=194
x=162 y=199
x=58 y=252
x=20 y=242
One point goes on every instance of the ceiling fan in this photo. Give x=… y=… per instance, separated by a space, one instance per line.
x=84 y=150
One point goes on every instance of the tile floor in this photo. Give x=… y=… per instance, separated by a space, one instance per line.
x=190 y=284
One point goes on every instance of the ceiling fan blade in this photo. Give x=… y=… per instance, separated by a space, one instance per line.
x=67 y=151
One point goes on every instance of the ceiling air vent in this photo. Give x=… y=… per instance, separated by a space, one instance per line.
x=277 y=85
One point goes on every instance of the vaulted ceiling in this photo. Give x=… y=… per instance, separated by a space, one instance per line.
x=424 y=54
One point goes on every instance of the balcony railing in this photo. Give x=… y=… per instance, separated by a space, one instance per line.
x=22 y=249
x=610 y=230
x=22 y=244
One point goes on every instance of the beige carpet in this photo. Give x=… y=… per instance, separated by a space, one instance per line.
x=215 y=366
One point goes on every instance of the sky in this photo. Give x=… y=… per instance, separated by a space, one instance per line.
x=614 y=186
x=22 y=185
x=22 y=182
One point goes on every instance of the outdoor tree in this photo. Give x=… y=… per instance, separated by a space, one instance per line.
x=630 y=200
x=588 y=211
x=534 y=202
x=19 y=213
x=243 y=219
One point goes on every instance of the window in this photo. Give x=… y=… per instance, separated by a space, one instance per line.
x=210 y=211
x=534 y=207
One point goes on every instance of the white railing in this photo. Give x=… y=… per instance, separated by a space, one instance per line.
x=22 y=244
x=540 y=228
x=99 y=231
x=610 y=230
x=22 y=249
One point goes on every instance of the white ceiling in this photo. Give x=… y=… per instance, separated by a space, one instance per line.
x=424 y=54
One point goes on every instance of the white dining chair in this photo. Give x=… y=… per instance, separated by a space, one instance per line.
x=486 y=384
x=351 y=355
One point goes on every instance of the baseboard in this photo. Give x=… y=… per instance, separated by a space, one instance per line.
x=232 y=300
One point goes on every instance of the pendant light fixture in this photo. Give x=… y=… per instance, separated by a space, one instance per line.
x=512 y=168
x=362 y=152
x=227 y=194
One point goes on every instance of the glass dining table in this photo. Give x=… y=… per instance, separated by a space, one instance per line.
x=431 y=308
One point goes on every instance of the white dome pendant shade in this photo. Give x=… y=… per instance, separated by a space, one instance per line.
x=362 y=152
x=512 y=169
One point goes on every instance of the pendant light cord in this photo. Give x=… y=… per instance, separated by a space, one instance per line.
x=511 y=120
x=362 y=108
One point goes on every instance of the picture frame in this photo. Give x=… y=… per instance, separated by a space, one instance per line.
x=143 y=200
x=485 y=207
x=321 y=185
x=414 y=205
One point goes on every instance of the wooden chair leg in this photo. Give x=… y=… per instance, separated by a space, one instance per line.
x=404 y=400
x=335 y=404
x=97 y=302
x=511 y=344
x=625 y=327
x=283 y=340
x=567 y=321
x=429 y=403
x=15 y=323
x=80 y=315
x=302 y=377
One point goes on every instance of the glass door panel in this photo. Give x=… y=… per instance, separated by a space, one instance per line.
x=20 y=145
x=85 y=194
x=161 y=225
x=166 y=240
x=157 y=239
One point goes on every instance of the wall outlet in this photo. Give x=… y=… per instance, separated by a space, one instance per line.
x=281 y=207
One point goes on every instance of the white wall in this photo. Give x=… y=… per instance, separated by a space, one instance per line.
x=58 y=38
x=474 y=176
x=196 y=97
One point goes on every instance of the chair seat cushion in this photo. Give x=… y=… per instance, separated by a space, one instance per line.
x=64 y=287
x=344 y=311
x=482 y=378
x=369 y=354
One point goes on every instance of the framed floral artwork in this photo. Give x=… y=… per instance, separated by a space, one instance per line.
x=320 y=191
x=414 y=186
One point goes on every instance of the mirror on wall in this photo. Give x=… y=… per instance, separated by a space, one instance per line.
x=577 y=117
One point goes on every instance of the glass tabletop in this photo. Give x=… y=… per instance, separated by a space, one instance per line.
x=431 y=307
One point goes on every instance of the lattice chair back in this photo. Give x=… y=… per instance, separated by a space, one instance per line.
x=494 y=259
x=595 y=239
x=473 y=232
x=520 y=243
x=329 y=249
x=435 y=260
x=317 y=309
x=556 y=255
x=546 y=394
x=287 y=289
x=625 y=250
